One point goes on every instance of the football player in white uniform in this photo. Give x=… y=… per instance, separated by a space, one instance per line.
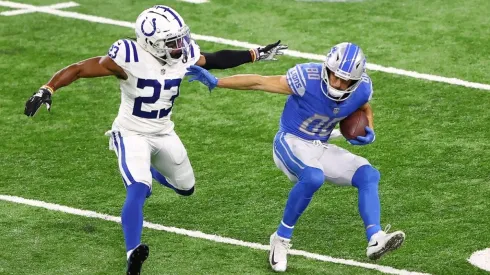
x=150 y=71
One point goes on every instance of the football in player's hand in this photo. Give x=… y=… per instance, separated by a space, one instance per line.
x=354 y=125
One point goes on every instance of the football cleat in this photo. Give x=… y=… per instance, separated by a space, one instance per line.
x=279 y=252
x=383 y=242
x=136 y=259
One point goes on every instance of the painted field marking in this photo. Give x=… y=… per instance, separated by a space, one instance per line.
x=196 y=1
x=201 y=235
x=236 y=43
x=54 y=6
x=481 y=259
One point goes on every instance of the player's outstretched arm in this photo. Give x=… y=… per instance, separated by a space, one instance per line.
x=92 y=67
x=273 y=84
x=225 y=59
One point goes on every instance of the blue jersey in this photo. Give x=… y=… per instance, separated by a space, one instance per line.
x=308 y=113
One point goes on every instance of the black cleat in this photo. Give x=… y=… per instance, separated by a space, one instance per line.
x=136 y=259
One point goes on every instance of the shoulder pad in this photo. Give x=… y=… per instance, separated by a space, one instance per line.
x=123 y=52
x=367 y=86
x=296 y=80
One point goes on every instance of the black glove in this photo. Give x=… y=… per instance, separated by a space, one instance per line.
x=43 y=96
x=268 y=52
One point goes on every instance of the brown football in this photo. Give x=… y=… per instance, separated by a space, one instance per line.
x=354 y=125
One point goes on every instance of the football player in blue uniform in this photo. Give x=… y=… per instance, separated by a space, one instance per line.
x=319 y=96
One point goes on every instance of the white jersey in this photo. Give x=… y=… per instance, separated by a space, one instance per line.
x=148 y=95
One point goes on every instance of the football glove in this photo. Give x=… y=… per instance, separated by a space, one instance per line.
x=364 y=140
x=202 y=75
x=269 y=52
x=42 y=96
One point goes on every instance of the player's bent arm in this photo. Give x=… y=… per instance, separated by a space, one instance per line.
x=272 y=84
x=369 y=113
x=93 y=67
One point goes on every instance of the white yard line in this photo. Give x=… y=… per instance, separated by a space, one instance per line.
x=236 y=43
x=55 y=6
x=201 y=235
x=195 y=1
x=331 y=1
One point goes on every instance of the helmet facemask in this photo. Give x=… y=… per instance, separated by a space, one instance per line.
x=334 y=93
x=171 y=49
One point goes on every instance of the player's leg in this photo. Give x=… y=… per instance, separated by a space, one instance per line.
x=161 y=179
x=344 y=168
x=341 y=167
x=298 y=160
x=133 y=154
x=171 y=166
x=366 y=179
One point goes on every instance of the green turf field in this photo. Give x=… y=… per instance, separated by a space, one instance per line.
x=431 y=142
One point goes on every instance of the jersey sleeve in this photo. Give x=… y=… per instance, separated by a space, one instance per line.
x=194 y=52
x=368 y=84
x=123 y=52
x=296 y=80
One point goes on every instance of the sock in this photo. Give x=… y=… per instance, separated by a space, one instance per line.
x=366 y=179
x=160 y=178
x=284 y=230
x=370 y=231
x=132 y=214
x=310 y=180
x=163 y=181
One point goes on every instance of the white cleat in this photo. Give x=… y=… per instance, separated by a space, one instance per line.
x=278 y=255
x=383 y=242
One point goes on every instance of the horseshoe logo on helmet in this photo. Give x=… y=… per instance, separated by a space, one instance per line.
x=154 y=25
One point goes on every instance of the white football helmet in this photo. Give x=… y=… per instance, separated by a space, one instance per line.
x=161 y=31
x=346 y=61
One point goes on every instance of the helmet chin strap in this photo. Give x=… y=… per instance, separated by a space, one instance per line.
x=176 y=55
x=337 y=95
x=167 y=58
x=334 y=94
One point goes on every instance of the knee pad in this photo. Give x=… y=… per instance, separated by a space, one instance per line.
x=366 y=176
x=313 y=178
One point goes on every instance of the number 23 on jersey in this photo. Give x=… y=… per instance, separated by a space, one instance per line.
x=157 y=89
